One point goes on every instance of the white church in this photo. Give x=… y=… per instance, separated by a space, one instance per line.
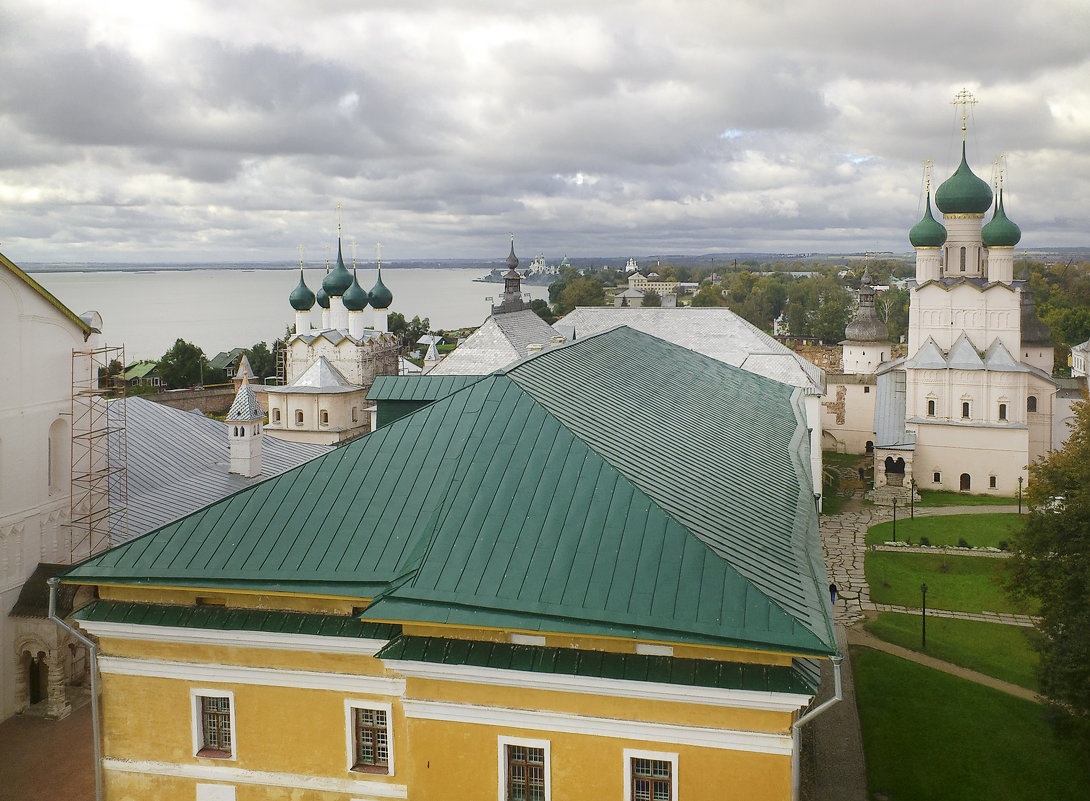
x=974 y=401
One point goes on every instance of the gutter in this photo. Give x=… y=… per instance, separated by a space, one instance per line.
x=92 y=652
x=796 y=727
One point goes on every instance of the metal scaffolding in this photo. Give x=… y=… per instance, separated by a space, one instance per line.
x=99 y=516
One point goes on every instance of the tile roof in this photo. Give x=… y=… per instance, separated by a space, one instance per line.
x=715 y=332
x=501 y=340
x=530 y=508
x=178 y=463
x=245 y=406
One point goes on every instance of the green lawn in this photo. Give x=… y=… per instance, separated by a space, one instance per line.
x=1004 y=652
x=929 y=735
x=969 y=583
x=980 y=531
x=935 y=498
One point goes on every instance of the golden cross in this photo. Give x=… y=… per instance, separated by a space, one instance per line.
x=300 y=257
x=927 y=174
x=964 y=98
x=378 y=250
x=338 y=220
x=327 y=257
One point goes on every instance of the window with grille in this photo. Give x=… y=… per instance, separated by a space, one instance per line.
x=525 y=773
x=651 y=779
x=214 y=726
x=523 y=769
x=372 y=740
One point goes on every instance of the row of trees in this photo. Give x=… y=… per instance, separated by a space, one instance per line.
x=184 y=365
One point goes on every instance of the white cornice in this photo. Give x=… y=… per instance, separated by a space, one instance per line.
x=239 y=674
x=363 y=790
x=589 y=685
x=237 y=638
x=667 y=733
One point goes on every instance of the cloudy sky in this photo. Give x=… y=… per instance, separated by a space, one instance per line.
x=229 y=131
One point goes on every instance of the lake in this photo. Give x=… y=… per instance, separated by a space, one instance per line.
x=220 y=309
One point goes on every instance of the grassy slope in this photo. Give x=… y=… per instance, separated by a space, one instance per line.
x=932 y=498
x=928 y=735
x=980 y=531
x=970 y=585
x=1004 y=652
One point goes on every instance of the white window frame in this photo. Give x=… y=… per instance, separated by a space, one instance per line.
x=502 y=743
x=632 y=753
x=195 y=696
x=350 y=707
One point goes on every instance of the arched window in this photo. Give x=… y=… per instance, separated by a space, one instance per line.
x=275 y=416
x=1002 y=411
x=963 y=259
x=965 y=482
x=1031 y=403
x=324 y=417
x=965 y=409
x=299 y=417
x=931 y=408
x=354 y=418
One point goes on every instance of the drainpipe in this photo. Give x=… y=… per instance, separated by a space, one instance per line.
x=838 y=695
x=92 y=654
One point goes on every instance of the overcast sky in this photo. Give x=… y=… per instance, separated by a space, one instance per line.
x=229 y=131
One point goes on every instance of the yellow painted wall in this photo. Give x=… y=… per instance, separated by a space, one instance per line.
x=456 y=762
x=600 y=706
x=287 y=602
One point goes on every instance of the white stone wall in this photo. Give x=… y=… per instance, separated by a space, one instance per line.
x=952 y=449
x=983 y=315
x=35 y=398
x=847 y=415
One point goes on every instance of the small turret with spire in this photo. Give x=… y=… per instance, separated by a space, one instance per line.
x=244 y=429
x=511 y=299
x=866 y=338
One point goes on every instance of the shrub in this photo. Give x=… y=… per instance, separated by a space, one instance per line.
x=925 y=541
x=962 y=542
x=1004 y=545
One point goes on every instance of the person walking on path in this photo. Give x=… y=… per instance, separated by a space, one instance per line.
x=832 y=594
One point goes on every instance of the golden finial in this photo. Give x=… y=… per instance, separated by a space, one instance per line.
x=353 y=255
x=964 y=98
x=512 y=233
x=300 y=257
x=327 y=257
x=338 y=221
x=927 y=164
x=378 y=250
x=1001 y=167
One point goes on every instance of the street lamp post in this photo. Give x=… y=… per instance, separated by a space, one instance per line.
x=895 y=520
x=1019 y=494
x=912 y=499
x=923 y=589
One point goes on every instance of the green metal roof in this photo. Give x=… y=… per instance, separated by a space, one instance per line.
x=139 y=369
x=418 y=387
x=224 y=619
x=602 y=664
x=618 y=485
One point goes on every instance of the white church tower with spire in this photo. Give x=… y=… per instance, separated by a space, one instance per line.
x=975 y=387
x=244 y=428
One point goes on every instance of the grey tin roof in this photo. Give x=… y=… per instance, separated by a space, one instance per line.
x=501 y=340
x=321 y=378
x=178 y=463
x=889 y=408
x=715 y=332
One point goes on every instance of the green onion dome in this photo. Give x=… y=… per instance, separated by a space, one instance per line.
x=963 y=192
x=336 y=283
x=1000 y=232
x=380 y=296
x=355 y=298
x=321 y=295
x=301 y=298
x=928 y=232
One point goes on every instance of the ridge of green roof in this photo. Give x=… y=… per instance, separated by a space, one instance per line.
x=667 y=539
x=47 y=296
x=705 y=673
x=228 y=619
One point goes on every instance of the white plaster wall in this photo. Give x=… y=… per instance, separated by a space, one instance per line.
x=952 y=449
x=963 y=231
x=858 y=427
x=983 y=315
x=39 y=341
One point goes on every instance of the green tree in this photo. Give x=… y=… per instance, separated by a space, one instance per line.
x=579 y=292
x=891 y=307
x=1051 y=564
x=651 y=298
x=262 y=360
x=542 y=310
x=709 y=295
x=184 y=365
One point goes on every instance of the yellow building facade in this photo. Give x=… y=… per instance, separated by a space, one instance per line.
x=533 y=624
